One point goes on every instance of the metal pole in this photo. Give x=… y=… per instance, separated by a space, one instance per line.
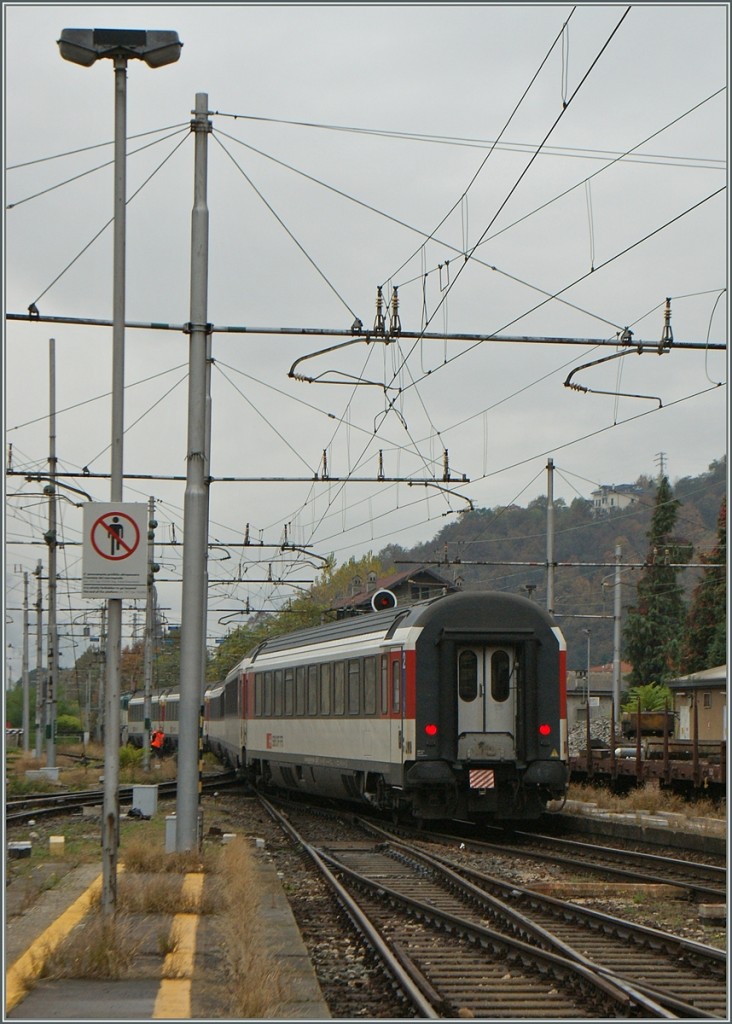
x=616 y=638
x=149 y=631
x=101 y=691
x=589 y=663
x=550 y=537
x=51 y=540
x=110 y=820
x=25 y=675
x=40 y=688
x=193 y=635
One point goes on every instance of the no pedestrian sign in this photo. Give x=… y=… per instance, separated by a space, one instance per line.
x=115 y=550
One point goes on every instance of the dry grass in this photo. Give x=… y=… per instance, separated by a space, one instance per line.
x=255 y=986
x=141 y=857
x=81 y=766
x=647 y=798
x=100 y=948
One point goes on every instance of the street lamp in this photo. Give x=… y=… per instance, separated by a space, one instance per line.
x=85 y=46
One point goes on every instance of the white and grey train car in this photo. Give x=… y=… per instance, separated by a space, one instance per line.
x=163 y=716
x=451 y=708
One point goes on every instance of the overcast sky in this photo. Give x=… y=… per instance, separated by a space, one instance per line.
x=505 y=176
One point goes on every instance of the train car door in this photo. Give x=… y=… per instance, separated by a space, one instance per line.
x=397 y=698
x=486 y=698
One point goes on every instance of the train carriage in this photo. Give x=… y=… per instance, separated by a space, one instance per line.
x=454 y=707
x=163 y=717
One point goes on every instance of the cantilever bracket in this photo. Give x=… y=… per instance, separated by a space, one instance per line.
x=617 y=394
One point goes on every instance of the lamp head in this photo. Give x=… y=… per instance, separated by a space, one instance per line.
x=86 y=45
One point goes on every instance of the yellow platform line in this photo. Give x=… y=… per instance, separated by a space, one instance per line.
x=30 y=964
x=173 y=1001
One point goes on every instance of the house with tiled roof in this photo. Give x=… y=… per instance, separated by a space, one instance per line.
x=417 y=583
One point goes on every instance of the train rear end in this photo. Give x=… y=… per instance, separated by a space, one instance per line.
x=491 y=714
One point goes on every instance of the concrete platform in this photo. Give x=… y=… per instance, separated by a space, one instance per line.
x=32 y=935
x=705 y=835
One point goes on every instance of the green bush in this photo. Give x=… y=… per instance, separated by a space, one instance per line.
x=652 y=697
x=68 y=724
x=130 y=757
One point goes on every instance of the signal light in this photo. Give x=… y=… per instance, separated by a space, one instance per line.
x=382 y=600
x=544 y=729
x=431 y=729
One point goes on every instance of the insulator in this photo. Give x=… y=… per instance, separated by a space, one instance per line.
x=667 y=337
x=395 y=324
x=379 y=322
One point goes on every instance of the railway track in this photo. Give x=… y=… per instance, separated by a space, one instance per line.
x=469 y=952
x=18 y=812
x=685 y=976
x=702 y=880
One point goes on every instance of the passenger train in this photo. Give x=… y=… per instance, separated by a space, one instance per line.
x=451 y=708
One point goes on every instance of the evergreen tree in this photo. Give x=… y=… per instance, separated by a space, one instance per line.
x=653 y=628
x=705 y=635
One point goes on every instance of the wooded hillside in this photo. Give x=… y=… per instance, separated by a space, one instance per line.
x=478 y=548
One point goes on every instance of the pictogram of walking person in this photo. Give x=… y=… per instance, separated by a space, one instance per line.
x=116 y=532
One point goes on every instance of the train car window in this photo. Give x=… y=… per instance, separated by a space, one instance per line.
x=384 y=684
x=326 y=685
x=258 y=700
x=267 y=694
x=230 y=697
x=300 y=680
x=313 y=674
x=289 y=691
x=500 y=676
x=278 y=693
x=396 y=685
x=354 y=686
x=468 y=675
x=369 y=686
x=339 y=688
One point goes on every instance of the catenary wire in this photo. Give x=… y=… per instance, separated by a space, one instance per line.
x=83 y=174
x=285 y=228
x=110 y=221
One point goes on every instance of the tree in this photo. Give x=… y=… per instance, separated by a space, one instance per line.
x=705 y=632
x=309 y=609
x=654 y=626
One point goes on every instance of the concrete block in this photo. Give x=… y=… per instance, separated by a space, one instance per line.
x=713 y=912
x=18 y=850
x=171 y=833
x=47 y=774
x=56 y=846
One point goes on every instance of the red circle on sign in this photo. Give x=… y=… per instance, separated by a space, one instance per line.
x=114 y=532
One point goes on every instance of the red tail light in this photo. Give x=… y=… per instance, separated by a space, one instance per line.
x=431 y=729
x=544 y=729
